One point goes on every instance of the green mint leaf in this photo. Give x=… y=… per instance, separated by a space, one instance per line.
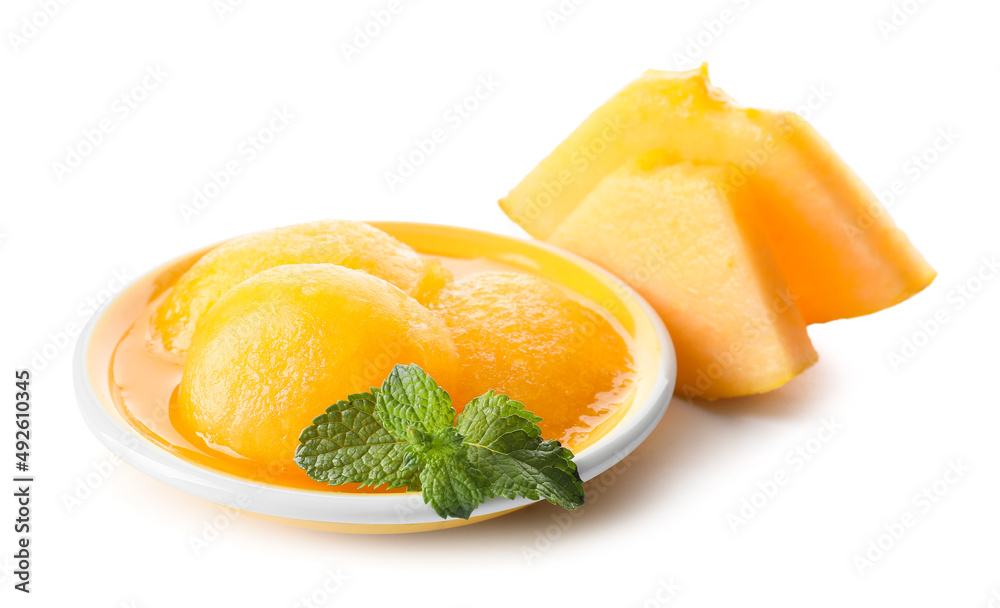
x=409 y=398
x=504 y=443
x=452 y=486
x=499 y=421
x=348 y=445
x=405 y=434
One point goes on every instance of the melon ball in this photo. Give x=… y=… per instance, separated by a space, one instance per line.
x=351 y=244
x=525 y=337
x=279 y=348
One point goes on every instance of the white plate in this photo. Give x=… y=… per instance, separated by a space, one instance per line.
x=371 y=513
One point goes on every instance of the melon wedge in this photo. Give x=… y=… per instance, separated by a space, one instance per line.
x=692 y=246
x=837 y=247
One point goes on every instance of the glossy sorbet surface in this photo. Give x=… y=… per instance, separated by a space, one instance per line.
x=522 y=335
x=350 y=244
x=280 y=347
x=276 y=348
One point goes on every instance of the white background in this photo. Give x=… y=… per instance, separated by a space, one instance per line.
x=665 y=519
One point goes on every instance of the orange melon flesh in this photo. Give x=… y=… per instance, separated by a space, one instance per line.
x=350 y=244
x=526 y=338
x=276 y=350
x=811 y=198
x=693 y=248
x=841 y=252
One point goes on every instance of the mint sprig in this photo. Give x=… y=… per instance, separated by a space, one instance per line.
x=405 y=434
